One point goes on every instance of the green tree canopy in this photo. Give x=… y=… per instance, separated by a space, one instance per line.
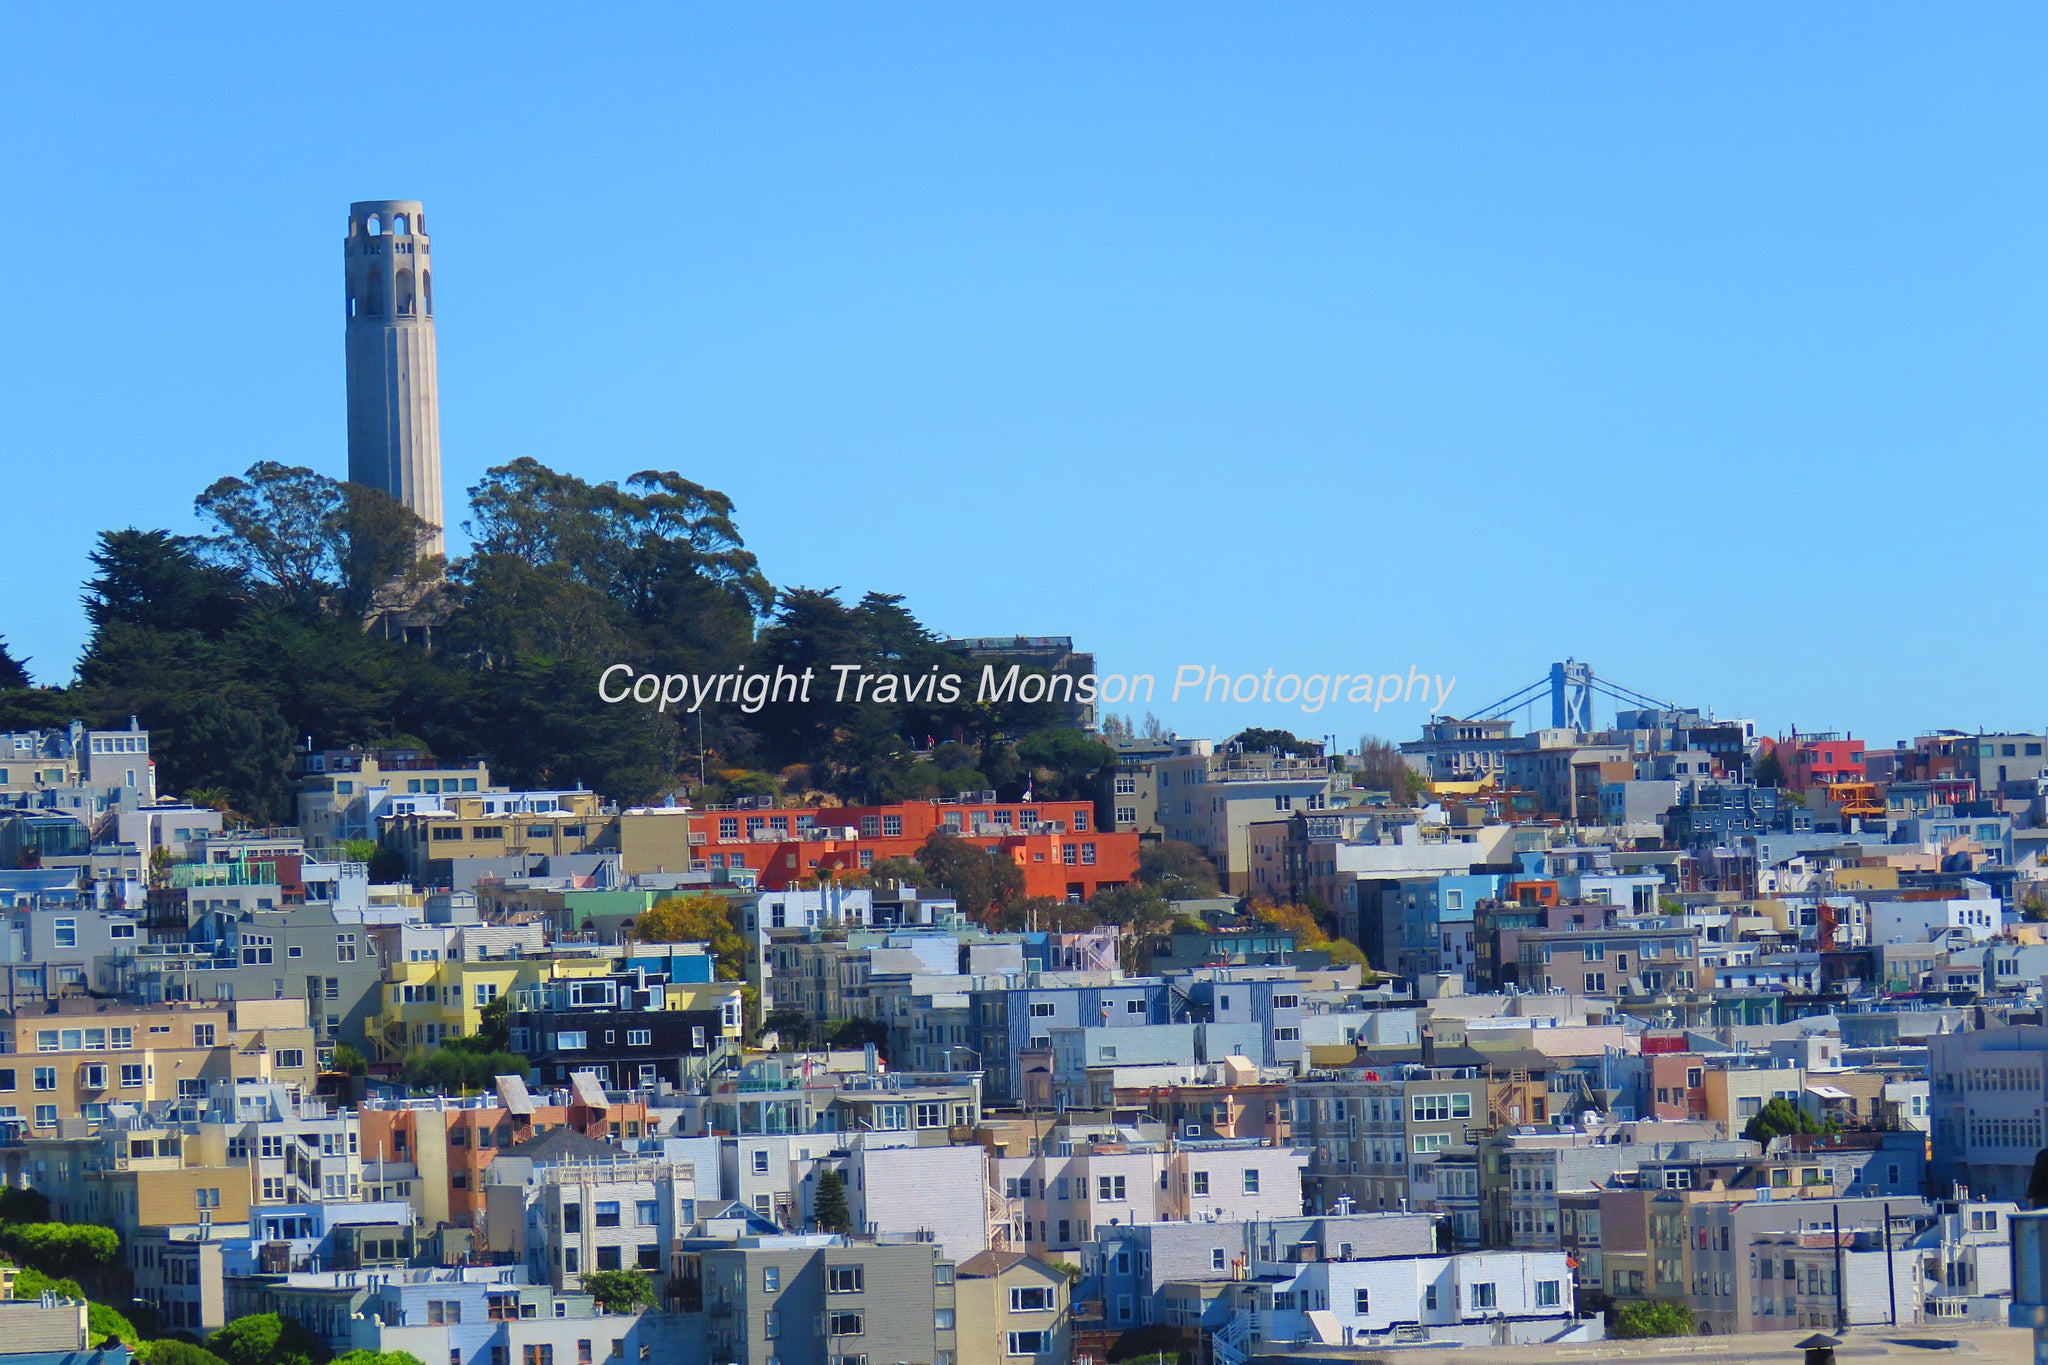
x=1044 y=914
x=1137 y=906
x=908 y=871
x=853 y=1034
x=981 y=880
x=791 y=1026
x=30 y=1283
x=155 y=581
x=1653 y=1318
x=316 y=543
x=620 y=1291
x=171 y=1351
x=19 y=1204
x=562 y=567
x=1066 y=765
x=235 y=743
x=829 y=1206
x=1779 y=1118
x=1263 y=741
x=453 y=1068
x=13 y=671
x=1179 y=871
x=267 y=1339
x=59 y=1249
x=107 y=1324
x=238 y=646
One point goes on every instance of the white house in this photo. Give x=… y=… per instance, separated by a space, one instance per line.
x=1480 y=1298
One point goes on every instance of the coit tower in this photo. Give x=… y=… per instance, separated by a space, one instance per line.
x=394 y=402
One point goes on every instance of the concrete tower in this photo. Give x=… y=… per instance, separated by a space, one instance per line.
x=394 y=401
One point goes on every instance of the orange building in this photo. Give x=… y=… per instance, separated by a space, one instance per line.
x=443 y=1148
x=1533 y=891
x=1676 y=1086
x=1055 y=844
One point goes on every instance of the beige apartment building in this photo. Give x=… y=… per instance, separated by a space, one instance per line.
x=494 y=825
x=1212 y=800
x=340 y=790
x=65 y=1063
x=657 y=839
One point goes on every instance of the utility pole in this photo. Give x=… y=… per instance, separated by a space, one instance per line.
x=1891 y=1281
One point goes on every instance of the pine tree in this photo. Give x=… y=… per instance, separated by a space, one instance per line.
x=13 y=672
x=830 y=1207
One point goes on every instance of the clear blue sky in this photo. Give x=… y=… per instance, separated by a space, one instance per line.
x=1705 y=344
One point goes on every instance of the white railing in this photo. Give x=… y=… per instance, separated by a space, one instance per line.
x=1230 y=1343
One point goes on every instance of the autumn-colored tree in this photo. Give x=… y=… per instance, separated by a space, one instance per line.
x=1296 y=919
x=1309 y=934
x=1344 y=953
x=697 y=917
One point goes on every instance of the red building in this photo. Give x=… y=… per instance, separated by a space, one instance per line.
x=1055 y=844
x=1809 y=761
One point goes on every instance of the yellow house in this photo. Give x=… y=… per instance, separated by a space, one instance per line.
x=1866 y=879
x=727 y=997
x=1735 y=1095
x=1011 y=1307
x=425 y=1002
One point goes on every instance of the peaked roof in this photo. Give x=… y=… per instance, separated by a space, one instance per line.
x=562 y=1143
x=984 y=1264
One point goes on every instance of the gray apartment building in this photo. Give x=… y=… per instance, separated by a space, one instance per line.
x=309 y=952
x=821 y=1300
x=67 y=944
x=1637 y=957
x=1375 y=1137
x=1527 y=1175
x=1987 y=1088
x=1772 y=1265
x=1007 y=1023
x=1995 y=760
